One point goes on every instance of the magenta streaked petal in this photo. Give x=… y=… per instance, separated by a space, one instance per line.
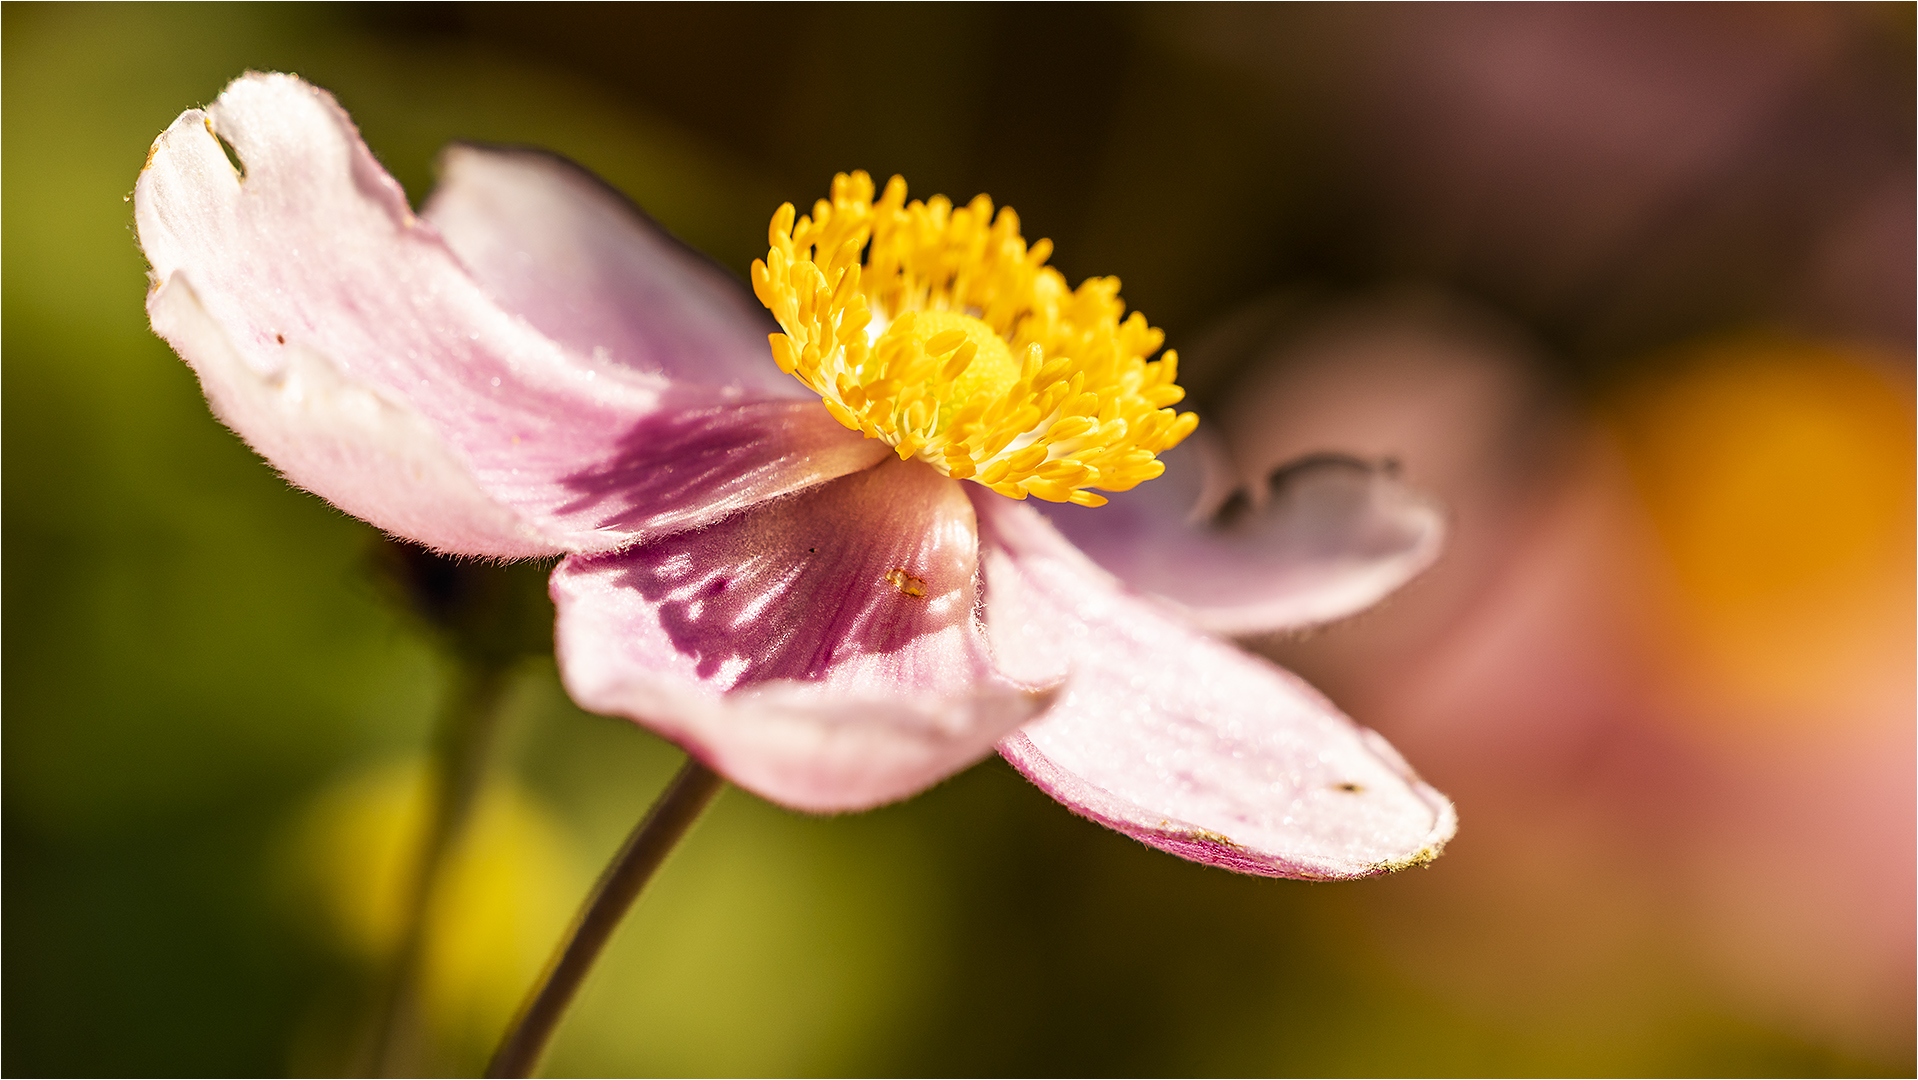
x=687 y=466
x=309 y=272
x=1328 y=536
x=1181 y=740
x=785 y=645
x=587 y=268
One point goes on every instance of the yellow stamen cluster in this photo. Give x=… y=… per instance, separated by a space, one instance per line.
x=953 y=341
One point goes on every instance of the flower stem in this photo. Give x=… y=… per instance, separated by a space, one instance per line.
x=459 y=764
x=619 y=885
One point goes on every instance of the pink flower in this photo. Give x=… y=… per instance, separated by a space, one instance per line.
x=531 y=367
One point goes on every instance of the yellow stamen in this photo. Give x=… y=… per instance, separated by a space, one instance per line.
x=954 y=342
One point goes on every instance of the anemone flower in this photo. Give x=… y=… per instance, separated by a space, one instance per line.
x=826 y=582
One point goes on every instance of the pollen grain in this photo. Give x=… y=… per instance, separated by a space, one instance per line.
x=907 y=585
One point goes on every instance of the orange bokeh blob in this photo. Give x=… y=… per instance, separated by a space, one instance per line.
x=1779 y=475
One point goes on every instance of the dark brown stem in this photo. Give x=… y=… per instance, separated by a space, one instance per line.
x=459 y=765
x=651 y=841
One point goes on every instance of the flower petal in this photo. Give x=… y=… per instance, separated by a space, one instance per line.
x=820 y=650
x=688 y=466
x=1327 y=537
x=318 y=302
x=1184 y=742
x=592 y=271
x=379 y=457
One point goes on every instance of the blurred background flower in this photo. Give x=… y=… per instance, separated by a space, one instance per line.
x=1631 y=288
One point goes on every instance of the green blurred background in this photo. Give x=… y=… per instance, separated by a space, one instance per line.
x=216 y=704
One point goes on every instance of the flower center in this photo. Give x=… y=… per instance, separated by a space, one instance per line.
x=965 y=345
x=953 y=341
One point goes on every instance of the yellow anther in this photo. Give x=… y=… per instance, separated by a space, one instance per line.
x=960 y=361
x=955 y=342
x=944 y=343
x=1029 y=459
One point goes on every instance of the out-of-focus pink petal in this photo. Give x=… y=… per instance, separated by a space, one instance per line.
x=551 y=242
x=820 y=650
x=1320 y=539
x=318 y=302
x=1184 y=742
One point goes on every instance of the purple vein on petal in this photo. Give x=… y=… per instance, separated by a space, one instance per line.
x=821 y=649
x=687 y=465
x=798 y=589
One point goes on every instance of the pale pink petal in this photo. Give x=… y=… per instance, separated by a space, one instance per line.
x=319 y=303
x=367 y=452
x=1182 y=741
x=576 y=259
x=785 y=646
x=1320 y=539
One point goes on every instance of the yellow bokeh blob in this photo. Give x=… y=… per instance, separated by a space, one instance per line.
x=508 y=892
x=1779 y=473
